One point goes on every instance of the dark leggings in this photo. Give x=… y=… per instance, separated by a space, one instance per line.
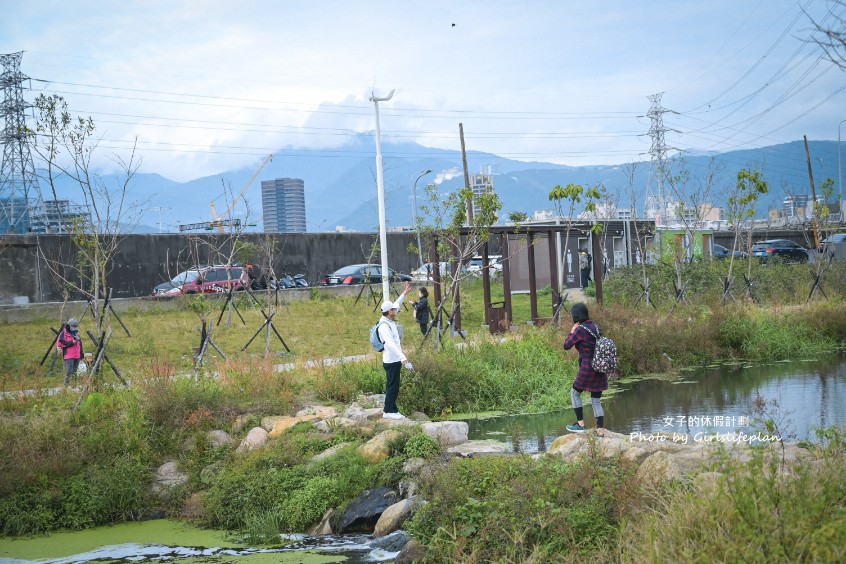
x=576 y=398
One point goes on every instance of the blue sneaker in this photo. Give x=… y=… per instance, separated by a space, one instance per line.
x=576 y=428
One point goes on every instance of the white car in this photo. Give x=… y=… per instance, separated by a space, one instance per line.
x=426 y=272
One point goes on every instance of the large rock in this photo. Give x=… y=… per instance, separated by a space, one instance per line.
x=447 y=433
x=168 y=476
x=357 y=413
x=411 y=552
x=218 y=439
x=478 y=448
x=658 y=468
x=267 y=423
x=566 y=446
x=318 y=412
x=329 y=452
x=394 y=516
x=281 y=425
x=363 y=512
x=391 y=543
x=377 y=449
x=324 y=527
x=256 y=438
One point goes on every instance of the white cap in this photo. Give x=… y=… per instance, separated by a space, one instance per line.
x=388 y=306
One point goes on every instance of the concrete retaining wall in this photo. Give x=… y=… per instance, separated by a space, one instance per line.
x=32 y=266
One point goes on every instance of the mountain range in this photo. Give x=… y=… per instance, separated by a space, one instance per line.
x=340 y=183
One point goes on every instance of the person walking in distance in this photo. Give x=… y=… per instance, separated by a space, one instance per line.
x=421 y=309
x=392 y=357
x=583 y=337
x=584 y=267
x=71 y=346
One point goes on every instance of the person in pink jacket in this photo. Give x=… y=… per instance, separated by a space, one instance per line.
x=71 y=346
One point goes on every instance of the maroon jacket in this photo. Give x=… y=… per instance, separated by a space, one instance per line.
x=587 y=379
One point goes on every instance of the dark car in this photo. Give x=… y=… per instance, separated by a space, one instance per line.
x=786 y=250
x=721 y=252
x=361 y=274
x=217 y=279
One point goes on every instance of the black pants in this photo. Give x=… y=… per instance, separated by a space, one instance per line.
x=423 y=326
x=392 y=371
x=585 y=272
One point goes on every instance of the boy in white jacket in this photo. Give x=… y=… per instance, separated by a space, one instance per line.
x=392 y=357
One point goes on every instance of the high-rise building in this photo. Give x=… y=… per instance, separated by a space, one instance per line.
x=283 y=205
x=481 y=183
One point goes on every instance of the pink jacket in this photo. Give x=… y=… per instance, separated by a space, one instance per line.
x=70 y=344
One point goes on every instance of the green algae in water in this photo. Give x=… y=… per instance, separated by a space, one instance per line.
x=161 y=532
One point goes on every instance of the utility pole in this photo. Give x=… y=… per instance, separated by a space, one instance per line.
x=20 y=196
x=380 y=194
x=466 y=176
x=813 y=195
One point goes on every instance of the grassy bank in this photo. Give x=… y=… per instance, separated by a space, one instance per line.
x=66 y=468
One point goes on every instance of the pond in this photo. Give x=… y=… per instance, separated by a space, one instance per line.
x=799 y=396
x=164 y=539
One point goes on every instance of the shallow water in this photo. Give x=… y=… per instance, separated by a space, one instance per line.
x=178 y=542
x=719 y=399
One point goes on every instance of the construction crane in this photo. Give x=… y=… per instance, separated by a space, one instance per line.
x=217 y=221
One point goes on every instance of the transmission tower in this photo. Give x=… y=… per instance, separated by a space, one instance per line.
x=20 y=197
x=656 y=205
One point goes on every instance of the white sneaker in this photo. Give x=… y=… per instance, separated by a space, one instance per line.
x=396 y=415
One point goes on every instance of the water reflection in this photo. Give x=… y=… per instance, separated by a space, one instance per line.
x=801 y=396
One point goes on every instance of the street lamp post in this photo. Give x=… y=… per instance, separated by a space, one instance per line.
x=840 y=173
x=380 y=187
x=414 y=213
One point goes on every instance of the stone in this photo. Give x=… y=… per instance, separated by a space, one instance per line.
x=318 y=412
x=360 y=414
x=659 y=467
x=411 y=552
x=390 y=543
x=168 y=476
x=393 y=517
x=256 y=438
x=329 y=452
x=377 y=449
x=281 y=425
x=192 y=508
x=396 y=422
x=324 y=526
x=478 y=448
x=323 y=426
x=634 y=454
x=561 y=441
x=267 y=423
x=447 y=433
x=210 y=473
x=240 y=422
x=363 y=512
x=219 y=439
x=413 y=465
x=408 y=488
x=419 y=416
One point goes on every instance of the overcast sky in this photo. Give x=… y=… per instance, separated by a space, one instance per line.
x=207 y=85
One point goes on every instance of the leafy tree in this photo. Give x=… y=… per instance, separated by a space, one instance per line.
x=518 y=217
x=747 y=191
x=568 y=199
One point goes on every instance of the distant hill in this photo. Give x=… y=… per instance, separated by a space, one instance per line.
x=341 y=187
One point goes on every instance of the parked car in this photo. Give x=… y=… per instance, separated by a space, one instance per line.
x=721 y=252
x=173 y=287
x=835 y=246
x=426 y=272
x=474 y=265
x=361 y=274
x=217 y=279
x=787 y=250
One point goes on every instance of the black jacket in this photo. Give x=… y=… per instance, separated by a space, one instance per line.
x=421 y=310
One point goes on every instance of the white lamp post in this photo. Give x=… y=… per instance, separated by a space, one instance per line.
x=414 y=213
x=380 y=187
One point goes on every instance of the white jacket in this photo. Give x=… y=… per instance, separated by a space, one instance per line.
x=389 y=335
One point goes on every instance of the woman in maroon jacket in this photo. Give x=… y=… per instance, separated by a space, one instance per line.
x=583 y=337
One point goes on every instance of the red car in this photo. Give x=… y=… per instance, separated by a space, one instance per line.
x=217 y=279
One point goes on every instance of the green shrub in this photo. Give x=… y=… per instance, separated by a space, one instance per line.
x=422 y=445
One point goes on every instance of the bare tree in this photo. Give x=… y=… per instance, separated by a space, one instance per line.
x=830 y=32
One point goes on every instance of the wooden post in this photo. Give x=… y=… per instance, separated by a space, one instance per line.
x=813 y=195
x=598 y=267
x=533 y=282
x=553 y=269
x=486 y=284
x=506 y=278
x=436 y=270
x=456 y=275
x=466 y=176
